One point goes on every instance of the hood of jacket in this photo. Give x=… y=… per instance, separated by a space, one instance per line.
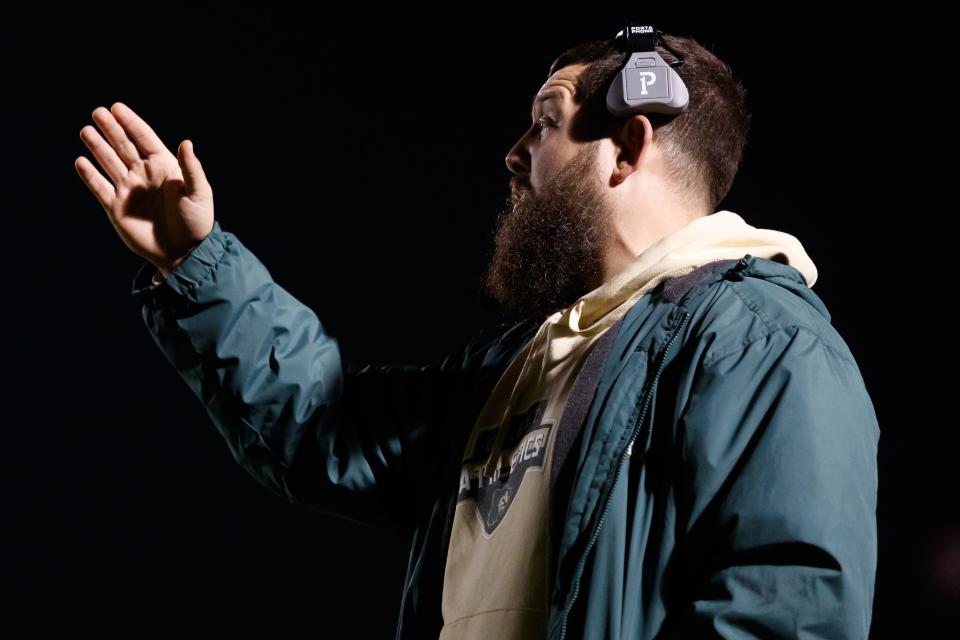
x=563 y=338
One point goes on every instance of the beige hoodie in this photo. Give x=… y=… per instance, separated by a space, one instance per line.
x=564 y=338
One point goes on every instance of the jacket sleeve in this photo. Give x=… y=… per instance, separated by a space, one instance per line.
x=778 y=442
x=350 y=442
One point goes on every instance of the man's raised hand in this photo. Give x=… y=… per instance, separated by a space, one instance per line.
x=160 y=204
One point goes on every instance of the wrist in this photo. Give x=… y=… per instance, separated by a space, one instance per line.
x=164 y=270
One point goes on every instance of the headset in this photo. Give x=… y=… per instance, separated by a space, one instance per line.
x=646 y=83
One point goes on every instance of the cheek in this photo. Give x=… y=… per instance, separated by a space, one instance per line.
x=544 y=166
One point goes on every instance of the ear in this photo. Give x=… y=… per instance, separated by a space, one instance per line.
x=633 y=141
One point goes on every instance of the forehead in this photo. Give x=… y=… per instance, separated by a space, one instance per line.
x=560 y=85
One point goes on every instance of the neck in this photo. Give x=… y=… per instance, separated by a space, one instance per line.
x=636 y=228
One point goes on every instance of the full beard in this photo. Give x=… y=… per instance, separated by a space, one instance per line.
x=548 y=246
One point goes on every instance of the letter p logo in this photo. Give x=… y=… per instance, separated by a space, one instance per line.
x=646 y=78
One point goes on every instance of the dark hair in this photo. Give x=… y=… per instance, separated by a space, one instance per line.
x=703 y=145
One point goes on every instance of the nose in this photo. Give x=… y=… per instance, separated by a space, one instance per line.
x=518 y=160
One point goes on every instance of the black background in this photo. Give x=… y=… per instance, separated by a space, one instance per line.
x=361 y=158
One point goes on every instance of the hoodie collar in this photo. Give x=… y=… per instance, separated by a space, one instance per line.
x=720 y=235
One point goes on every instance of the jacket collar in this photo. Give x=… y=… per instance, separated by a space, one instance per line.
x=782 y=275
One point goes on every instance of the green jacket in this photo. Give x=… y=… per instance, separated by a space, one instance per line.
x=746 y=510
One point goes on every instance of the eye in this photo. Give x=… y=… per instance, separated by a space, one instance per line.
x=543 y=123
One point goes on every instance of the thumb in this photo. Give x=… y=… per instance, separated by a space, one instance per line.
x=193 y=176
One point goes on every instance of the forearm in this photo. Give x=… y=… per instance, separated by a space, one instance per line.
x=348 y=441
x=255 y=356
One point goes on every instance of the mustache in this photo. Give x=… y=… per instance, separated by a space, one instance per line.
x=520 y=188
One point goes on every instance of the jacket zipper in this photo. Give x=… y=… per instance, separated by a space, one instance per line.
x=616 y=476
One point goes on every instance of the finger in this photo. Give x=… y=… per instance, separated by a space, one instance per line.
x=137 y=130
x=104 y=153
x=193 y=177
x=100 y=186
x=116 y=136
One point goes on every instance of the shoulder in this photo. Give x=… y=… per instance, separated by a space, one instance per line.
x=740 y=302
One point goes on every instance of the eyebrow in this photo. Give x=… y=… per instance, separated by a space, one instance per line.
x=551 y=93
